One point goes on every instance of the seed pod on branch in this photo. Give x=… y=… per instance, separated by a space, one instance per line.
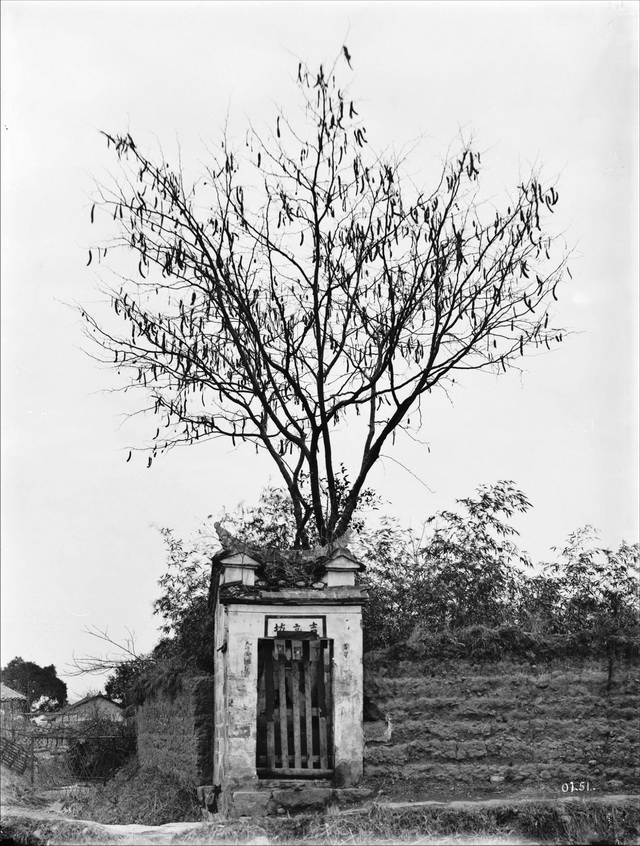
x=307 y=287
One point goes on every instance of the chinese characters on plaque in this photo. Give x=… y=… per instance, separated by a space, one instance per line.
x=308 y=625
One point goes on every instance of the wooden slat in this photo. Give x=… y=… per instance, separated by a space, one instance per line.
x=289 y=689
x=322 y=732
x=276 y=713
x=271 y=744
x=295 y=700
x=269 y=697
x=328 y=701
x=291 y=771
x=282 y=688
x=308 y=711
x=263 y=772
x=14 y=756
x=322 y=711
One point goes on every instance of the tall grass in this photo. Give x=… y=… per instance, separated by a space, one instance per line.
x=143 y=795
x=595 y=822
x=616 y=823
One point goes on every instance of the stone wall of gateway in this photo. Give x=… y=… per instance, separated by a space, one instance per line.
x=510 y=723
x=175 y=732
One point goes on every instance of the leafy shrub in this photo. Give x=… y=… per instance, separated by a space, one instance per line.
x=469 y=573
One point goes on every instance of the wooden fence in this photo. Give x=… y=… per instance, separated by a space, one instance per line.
x=17 y=757
x=295 y=714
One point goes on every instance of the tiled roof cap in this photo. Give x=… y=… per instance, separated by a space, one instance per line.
x=7 y=693
x=285 y=567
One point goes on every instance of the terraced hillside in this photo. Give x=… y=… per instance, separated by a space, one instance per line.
x=456 y=726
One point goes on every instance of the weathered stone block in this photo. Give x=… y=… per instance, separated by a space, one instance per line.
x=273 y=808
x=377 y=732
x=249 y=803
x=303 y=797
x=347 y=773
x=385 y=754
x=240 y=731
x=475 y=749
x=207 y=796
x=352 y=795
x=239 y=761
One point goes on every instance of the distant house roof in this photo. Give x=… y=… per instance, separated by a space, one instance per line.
x=87 y=700
x=75 y=706
x=6 y=694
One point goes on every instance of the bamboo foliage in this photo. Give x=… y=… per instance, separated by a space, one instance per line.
x=304 y=283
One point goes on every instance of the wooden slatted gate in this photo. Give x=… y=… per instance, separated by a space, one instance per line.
x=294 y=731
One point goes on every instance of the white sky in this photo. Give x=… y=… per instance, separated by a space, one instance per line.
x=551 y=84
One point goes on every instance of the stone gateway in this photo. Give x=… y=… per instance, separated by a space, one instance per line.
x=288 y=678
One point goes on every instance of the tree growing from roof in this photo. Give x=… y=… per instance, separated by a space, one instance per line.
x=305 y=284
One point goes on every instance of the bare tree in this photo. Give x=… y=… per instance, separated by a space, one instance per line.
x=126 y=654
x=305 y=282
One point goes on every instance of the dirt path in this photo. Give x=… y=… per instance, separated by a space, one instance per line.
x=137 y=835
x=506 y=800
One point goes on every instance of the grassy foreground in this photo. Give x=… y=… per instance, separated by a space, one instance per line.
x=594 y=821
x=139 y=795
x=538 y=822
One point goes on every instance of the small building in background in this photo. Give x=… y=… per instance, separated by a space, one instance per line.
x=12 y=702
x=95 y=707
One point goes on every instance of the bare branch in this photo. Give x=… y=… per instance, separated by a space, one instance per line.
x=101 y=664
x=306 y=284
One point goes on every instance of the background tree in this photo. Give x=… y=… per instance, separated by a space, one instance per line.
x=34 y=681
x=305 y=283
x=597 y=594
x=121 y=683
x=475 y=565
x=595 y=585
x=464 y=570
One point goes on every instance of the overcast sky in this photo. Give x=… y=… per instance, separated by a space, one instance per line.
x=551 y=85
